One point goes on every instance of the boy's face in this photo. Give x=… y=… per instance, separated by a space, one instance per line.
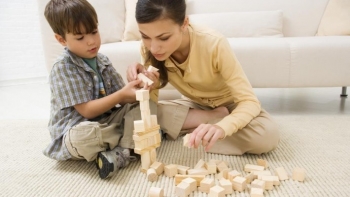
x=83 y=45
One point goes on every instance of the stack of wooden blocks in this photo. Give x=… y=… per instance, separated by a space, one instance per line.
x=146 y=133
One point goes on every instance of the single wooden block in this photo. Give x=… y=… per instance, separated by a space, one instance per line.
x=298 y=174
x=152 y=69
x=192 y=182
x=139 y=125
x=180 y=177
x=152 y=175
x=222 y=166
x=262 y=162
x=144 y=105
x=206 y=184
x=232 y=174
x=216 y=191
x=186 y=138
x=268 y=181
x=227 y=185
x=153 y=155
x=182 y=169
x=145 y=161
x=251 y=167
x=281 y=173
x=158 y=166
x=142 y=95
x=256 y=192
x=211 y=167
x=145 y=136
x=200 y=164
x=199 y=171
x=258 y=184
x=263 y=172
x=156 y=192
x=183 y=189
x=170 y=170
x=154 y=120
x=239 y=183
x=249 y=177
x=144 y=79
x=146 y=117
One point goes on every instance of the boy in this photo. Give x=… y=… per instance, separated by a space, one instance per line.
x=85 y=89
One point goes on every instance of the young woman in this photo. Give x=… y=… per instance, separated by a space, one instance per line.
x=218 y=106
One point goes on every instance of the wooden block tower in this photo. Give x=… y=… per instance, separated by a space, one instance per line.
x=146 y=132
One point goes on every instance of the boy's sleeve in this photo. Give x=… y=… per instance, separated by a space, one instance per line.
x=68 y=88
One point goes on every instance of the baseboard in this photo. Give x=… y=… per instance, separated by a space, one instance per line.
x=12 y=82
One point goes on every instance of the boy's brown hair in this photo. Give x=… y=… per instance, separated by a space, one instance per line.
x=70 y=16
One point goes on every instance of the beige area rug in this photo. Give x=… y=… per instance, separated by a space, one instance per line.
x=320 y=144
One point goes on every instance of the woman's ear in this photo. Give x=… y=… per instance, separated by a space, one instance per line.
x=185 y=24
x=60 y=39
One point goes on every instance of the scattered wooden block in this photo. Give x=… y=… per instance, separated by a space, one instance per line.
x=251 y=167
x=192 y=182
x=227 y=185
x=222 y=166
x=257 y=173
x=158 y=166
x=206 y=184
x=152 y=175
x=182 y=169
x=200 y=164
x=180 y=177
x=198 y=171
x=262 y=162
x=211 y=167
x=281 y=173
x=239 y=183
x=258 y=184
x=256 y=192
x=249 y=177
x=216 y=191
x=298 y=174
x=170 y=170
x=268 y=181
x=183 y=189
x=232 y=174
x=156 y=192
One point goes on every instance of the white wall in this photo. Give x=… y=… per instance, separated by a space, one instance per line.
x=21 y=51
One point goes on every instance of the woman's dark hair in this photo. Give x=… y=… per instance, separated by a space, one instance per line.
x=148 y=11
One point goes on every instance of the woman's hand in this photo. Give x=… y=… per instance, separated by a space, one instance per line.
x=136 y=68
x=133 y=70
x=208 y=134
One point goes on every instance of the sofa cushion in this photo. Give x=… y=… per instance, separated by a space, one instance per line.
x=243 y=24
x=110 y=15
x=131 y=31
x=336 y=19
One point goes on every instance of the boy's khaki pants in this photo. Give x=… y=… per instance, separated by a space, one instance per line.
x=261 y=135
x=86 y=139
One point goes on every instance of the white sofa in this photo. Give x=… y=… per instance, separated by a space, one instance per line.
x=280 y=43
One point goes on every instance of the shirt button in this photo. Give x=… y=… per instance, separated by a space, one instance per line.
x=90 y=84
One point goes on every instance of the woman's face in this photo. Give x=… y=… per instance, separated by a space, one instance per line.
x=162 y=37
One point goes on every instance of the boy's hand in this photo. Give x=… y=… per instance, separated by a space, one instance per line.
x=208 y=134
x=129 y=91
